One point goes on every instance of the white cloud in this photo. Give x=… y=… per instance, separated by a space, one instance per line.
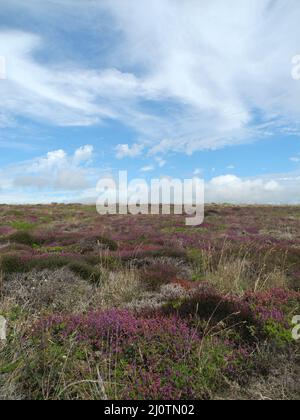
x=272 y=186
x=295 y=159
x=149 y=168
x=55 y=177
x=219 y=72
x=65 y=94
x=38 y=91
x=83 y=154
x=55 y=159
x=161 y=162
x=57 y=170
x=219 y=67
x=198 y=171
x=124 y=150
x=265 y=190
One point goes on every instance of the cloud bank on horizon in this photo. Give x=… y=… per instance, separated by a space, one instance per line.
x=173 y=87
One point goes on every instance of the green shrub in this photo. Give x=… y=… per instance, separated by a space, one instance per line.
x=107 y=261
x=50 y=263
x=12 y=264
x=85 y=271
x=170 y=253
x=108 y=243
x=207 y=304
x=21 y=225
x=278 y=333
x=23 y=238
x=157 y=274
x=92 y=259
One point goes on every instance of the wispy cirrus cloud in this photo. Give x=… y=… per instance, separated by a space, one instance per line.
x=226 y=81
x=184 y=75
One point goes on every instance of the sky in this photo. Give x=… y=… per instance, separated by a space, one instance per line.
x=176 y=88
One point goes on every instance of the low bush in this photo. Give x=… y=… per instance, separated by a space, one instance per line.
x=22 y=225
x=133 y=357
x=85 y=271
x=254 y=316
x=228 y=312
x=51 y=262
x=157 y=274
x=23 y=237
x=15 y=264
x=137 y=254
x=12 y=264
x=108 y=243
x=106 y=261
x=41 y=291
x=95 y=243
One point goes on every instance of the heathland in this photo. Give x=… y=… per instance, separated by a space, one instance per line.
x=144 y=307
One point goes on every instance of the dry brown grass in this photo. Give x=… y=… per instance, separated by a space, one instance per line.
x=282 y=383
x=47 y=290
x=155 y=300
x=119 y=287
x=236 y=276
x=238 y=273
x=63 y=291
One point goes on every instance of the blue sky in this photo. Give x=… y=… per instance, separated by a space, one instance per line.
x=176 y=88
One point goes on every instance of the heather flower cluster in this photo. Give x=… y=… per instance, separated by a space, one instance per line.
x=121 y=329
x=150 y=352
x=158 y=356
x=145 y=307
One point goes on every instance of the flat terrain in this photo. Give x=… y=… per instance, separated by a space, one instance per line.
x=143 y=307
